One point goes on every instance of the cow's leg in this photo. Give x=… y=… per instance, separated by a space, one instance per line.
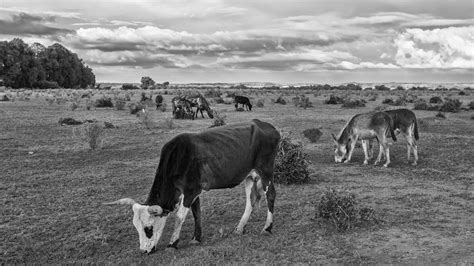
x=364 y=147
x=196 y=209
x=270 y=195
x=180 y=217
x=249 y=183
x=351 y=149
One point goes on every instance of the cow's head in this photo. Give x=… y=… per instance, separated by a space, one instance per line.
x=149 y=222
x=340 y=149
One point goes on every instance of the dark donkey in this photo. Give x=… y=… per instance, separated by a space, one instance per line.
x=222 y=157
x=245 y=101
x=375 y=125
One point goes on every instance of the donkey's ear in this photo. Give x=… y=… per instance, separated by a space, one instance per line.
x=334 y=137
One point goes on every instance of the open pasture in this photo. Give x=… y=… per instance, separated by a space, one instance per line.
x=52 y=186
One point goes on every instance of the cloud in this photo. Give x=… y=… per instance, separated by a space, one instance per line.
x=438 y=48
x=28 y=24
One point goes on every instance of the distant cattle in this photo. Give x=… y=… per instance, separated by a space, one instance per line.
x=244 y=101
x=158 y=101
x=201 y=104
x=374 y=125
x=216 y=158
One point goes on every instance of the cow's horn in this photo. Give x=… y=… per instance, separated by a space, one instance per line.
x=155 y=210
x=125 y=201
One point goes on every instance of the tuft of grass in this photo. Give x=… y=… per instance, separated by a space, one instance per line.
x=74 y=106
x=169 y=123
x=341 y=209
x=312 y=134
x=120 y=104
x=291 y=165
x=92 y=133
x=440 y=115
x=353 y=103
x=146 y=119
x=218 y=120
x=260 y=103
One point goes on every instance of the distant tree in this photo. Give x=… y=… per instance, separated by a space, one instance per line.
x=36 y=66
x=147 y=82
x=166 y=84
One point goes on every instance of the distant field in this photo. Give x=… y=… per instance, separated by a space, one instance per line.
x=52 y=187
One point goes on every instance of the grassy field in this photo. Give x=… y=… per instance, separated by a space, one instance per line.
x=52 y=186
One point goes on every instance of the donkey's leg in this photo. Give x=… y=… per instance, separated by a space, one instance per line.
x=364 y=147
x=249 y=183
x=180 y=217
x=353 y=143
x=379 y=156
x=387 y=154
x=411 y=145
x=196 y=209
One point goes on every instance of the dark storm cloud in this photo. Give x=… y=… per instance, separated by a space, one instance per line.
x=27 y=24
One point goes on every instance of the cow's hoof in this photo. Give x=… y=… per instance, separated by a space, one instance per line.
x=194 y=242
x=266 y=232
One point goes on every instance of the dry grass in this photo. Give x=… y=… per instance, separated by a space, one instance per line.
x=91 y=133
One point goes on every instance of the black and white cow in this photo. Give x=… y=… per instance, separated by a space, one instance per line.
x=216 y=158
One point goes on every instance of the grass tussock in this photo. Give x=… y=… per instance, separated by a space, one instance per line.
x=146 y=119
x=91 y=133
x=104 y=102
x=312 y=134
x=218 y=120
x=353 y=103
x=260 y=103
x=342 y=210
x=291 y=165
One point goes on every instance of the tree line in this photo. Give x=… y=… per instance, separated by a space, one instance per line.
x=37 y=66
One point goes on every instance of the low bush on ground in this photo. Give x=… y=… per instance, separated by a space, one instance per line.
x=302 y=101
x=291 y=166
x=146 y=119
x=312 y=134
x=92 y=133
x=120 y=104
x=280 y=100
x=341 y=209
x=218 y=120
x=130 y=87
x=260 y=103
x=333 y=99
x=471 y=105
x=436 y=99
x=103 y=102
x=351 y=103
x=451 y=105
x=135 y=108
x=219 y=100
x=213 y=93
x=74 y=106
x=440 y=115
x=387 y=101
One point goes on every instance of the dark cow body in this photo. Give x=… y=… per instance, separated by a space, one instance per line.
x=244 y=101
x=404 y=121
x=158 y=101
x=221 y=157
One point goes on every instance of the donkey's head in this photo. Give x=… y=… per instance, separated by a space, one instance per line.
x=341 y=148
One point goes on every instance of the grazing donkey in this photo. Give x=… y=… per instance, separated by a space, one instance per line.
x=366 y=126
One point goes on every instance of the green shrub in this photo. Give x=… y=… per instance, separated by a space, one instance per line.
x=280 y=100
x=436 y=100
x=103 y=102
x=421 y=104
x=260 y=103
x=120 y=104
x=93 y=134
x=291 y=166
x=451 y=105
x=388 y=101
x=333 y=99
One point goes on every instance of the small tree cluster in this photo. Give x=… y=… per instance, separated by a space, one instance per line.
x=353 y=103
x=291 y=166
x=333 y=99
x=218 y=120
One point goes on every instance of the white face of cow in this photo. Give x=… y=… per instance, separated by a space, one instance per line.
x=149 y=226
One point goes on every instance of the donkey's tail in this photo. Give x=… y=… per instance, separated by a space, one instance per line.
x=390 y=125
x=415 y=130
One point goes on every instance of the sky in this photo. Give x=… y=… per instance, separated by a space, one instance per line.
x=292 y=41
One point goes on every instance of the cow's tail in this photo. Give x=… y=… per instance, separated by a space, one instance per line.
x=415 y=130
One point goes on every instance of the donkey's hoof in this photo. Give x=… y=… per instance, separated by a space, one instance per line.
x=385 y=165
x=238 y=231
x=414 y=163
x=194 y=242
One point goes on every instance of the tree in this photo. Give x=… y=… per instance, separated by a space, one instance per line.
x=147 y=82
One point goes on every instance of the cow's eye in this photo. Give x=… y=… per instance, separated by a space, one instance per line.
x=148 y=231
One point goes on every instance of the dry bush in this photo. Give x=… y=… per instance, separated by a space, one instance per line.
x=135 y=108
x=74 y=106
x=169 y=123
x=260 y=103
x=291 y=166
x=436 y=99
x=451 y=105
x=421 y=104
x=92 y=133
x=103 y=102
x=440 y=115
x=302 y=101
x=312 y=134
x=162 y=107
x=471 y=105
x=381 y=108
x=219 y=100
x=280 y=100
x=333 y=99
x=351 y=103
x=388 y=101
x=218 y=120
x=120 y=104
x=239 y=109
x=146 y=119
x=341 y=209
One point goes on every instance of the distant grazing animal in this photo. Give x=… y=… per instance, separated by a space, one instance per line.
x=158 y=101
x=375 y=125
x=145 y=98
x=180 y=103
x=201 y=104
x=244 y=101
x=217 y=158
